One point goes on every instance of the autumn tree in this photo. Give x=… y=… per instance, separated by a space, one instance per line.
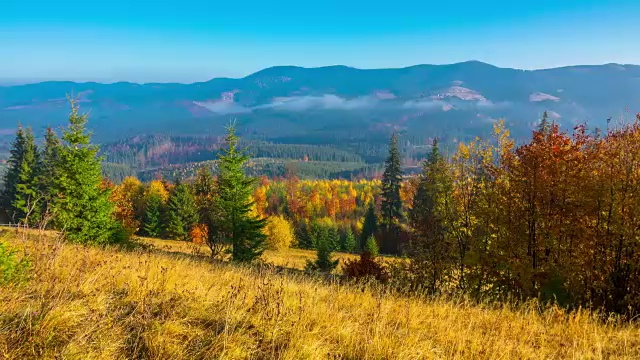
x=279 y=233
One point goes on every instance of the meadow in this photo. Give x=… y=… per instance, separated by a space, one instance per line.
x=84 y=302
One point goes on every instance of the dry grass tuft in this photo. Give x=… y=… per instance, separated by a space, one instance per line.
x=90 y=303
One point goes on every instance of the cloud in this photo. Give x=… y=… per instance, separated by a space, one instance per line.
x=328 y=101
x=223 y=107
x=426 y=105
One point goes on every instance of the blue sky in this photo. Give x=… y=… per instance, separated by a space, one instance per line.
x=188 y=40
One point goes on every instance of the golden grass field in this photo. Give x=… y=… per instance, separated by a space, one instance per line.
x=92 y=303
x=288 y=258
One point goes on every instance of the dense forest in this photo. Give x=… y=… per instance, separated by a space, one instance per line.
x=554 y=219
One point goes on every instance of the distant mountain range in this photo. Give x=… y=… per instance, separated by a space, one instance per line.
x=456 y=101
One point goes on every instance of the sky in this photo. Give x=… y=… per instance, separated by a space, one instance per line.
x=196 y=40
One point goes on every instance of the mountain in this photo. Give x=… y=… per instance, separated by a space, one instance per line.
x=457 y=101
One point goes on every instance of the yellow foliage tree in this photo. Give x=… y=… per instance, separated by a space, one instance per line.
x=279 y=233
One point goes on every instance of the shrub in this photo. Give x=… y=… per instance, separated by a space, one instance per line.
x=365 y=267
x=12 y=267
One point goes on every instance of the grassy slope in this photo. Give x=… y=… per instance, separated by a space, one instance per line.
x=288 y=258
x=92 y=303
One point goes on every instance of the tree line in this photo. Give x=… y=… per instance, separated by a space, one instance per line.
x=555 y=218
x=60 y=186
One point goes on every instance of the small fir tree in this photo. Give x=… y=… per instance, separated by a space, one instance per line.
x=371 y=246
x=324 y=261
x=182 y=212
x=350 y=242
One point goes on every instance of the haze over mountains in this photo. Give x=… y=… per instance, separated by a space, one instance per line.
x=456 y=101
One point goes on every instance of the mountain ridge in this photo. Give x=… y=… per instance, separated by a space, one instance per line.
x=458 y=100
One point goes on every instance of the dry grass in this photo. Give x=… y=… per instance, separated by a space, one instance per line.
x=288 y=258
x=90 y=303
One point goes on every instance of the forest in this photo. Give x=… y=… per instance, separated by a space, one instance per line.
x=554 y=219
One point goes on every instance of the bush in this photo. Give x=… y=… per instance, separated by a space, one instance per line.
x=279 y=233
x=324 y=261
x=365 y=267
x=12 y=267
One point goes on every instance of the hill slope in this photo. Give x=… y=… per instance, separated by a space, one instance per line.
x=95 y=303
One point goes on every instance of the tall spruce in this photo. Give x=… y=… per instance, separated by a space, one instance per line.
x=12 y=176
x=182 y=212
x=81 y=207
x=243 y=228
x=27 y=195
x=391 y=207
x=431 y=246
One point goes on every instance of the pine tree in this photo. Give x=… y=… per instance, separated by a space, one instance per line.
x=12 y=176
x=244 y=230
x=49 y=164
x=391 y=179
x=349 y=242
x=370 y=225
x=152 y=223
x=431 y=246
x=324 y=261
x=81 y=207
x=371 y=246
x=27 y=193
x=182 y=212
x=334 y=238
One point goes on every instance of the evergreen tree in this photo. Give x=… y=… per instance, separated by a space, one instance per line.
x=81 y=207
x=334 y=238
x=305 y=240
x=12 y=176
x=324 y=261
x=27 y=194
x=152 y=223
x=370 y=225
x=371 y=246
x=391 y=179
x=182 y=212
x=431 y=246
x=49 y=164
x=350 y=242
x=243 y=228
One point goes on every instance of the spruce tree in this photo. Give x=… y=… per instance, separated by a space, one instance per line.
x=244 y=230
x=350 y=242
x=81 y=207
x=12 y=176
x=27 y=193
x=182 y=213
x=391 y=179
x=371 y=246
x=152 y=222
x=334 y=238
x=48 y=168
x=431 y=246
x=370 y=225
x=324 y=261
